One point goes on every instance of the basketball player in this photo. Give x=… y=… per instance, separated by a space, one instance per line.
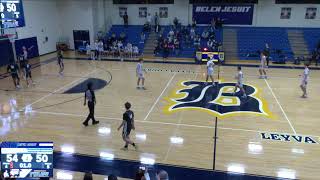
x=262 y=70
x=304 y=81
x=24 y=59
x=88 y=50
x=210 y=70
x=14 y=70
x=140 y=75
x=28 y=74
x=60 y=61
x=91 y=98
x=239 y=83
x=128 y=125
x=96 y=49
x=100 y=49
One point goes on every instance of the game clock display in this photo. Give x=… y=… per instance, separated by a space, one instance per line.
x=11 y=10
x=27 y=159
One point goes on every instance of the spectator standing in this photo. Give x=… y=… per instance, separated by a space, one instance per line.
x=149 y=19
x=267 y=53
x=125 y=19
x=176 y=46
x=156 y=19
x=112 y=177
x=194 y=23
x=175 y=22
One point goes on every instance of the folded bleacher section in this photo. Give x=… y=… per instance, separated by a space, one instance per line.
x=251 y=40
x=312 y=38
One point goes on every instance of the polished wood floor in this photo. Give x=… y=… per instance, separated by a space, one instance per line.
x=178 y=138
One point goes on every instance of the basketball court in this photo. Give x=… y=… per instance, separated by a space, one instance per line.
x=273 y=132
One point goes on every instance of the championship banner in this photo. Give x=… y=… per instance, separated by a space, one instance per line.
x=229 y=13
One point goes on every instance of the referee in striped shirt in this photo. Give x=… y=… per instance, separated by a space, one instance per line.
x=91 y=99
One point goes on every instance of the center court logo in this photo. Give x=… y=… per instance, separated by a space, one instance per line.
x=217 y=100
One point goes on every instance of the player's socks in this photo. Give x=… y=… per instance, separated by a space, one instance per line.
x=125 y=148
x=135 y=146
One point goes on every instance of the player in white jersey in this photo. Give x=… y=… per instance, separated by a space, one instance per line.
x=88 y=50
x=262 y=68
x=239 y=83
x=304 y=81
x=210 y=70
x=100 y=49
x=140 y=75
x=96 y=49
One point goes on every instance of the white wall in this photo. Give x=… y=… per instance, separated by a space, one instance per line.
x=179 y=9
x=75 y=15
x=267 y=14
x=42 y=20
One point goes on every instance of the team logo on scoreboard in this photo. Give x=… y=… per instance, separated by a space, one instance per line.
x=218 y=100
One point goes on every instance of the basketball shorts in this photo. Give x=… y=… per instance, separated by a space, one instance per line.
x=28 y=74
x=210 y=72
x=141 y=75
x=126 y=133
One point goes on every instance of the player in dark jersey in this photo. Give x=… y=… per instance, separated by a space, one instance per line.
x=28 y=74
x=22 y=62
x=14 y=71
x=128 y=125
x=60 y=61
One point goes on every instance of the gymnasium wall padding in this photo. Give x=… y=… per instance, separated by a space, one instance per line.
x=6 y=53
x=30 y=43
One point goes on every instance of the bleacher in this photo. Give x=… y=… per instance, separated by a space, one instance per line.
x=312 y=38
x=133 y=33
x=251 y=40
x=189 y=52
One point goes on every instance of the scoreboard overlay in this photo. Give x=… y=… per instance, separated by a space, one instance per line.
x=27 y=159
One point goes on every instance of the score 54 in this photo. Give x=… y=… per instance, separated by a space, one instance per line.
x=27 y=158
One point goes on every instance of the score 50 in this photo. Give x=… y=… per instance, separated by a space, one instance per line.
x=27 y=158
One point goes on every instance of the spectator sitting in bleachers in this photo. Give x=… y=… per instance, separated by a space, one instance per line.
x=192 y=33
x=157 y=49
x=142 y=37
x=212 y=34
x=205 y=34
x=123 y=36
x=128 y=50
x=135 y=51
x=176 y=46
x=113 y=37
x=165 y=49
x=196 y=41
x=210 y=44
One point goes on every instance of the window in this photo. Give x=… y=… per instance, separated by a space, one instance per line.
x=285 y=13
